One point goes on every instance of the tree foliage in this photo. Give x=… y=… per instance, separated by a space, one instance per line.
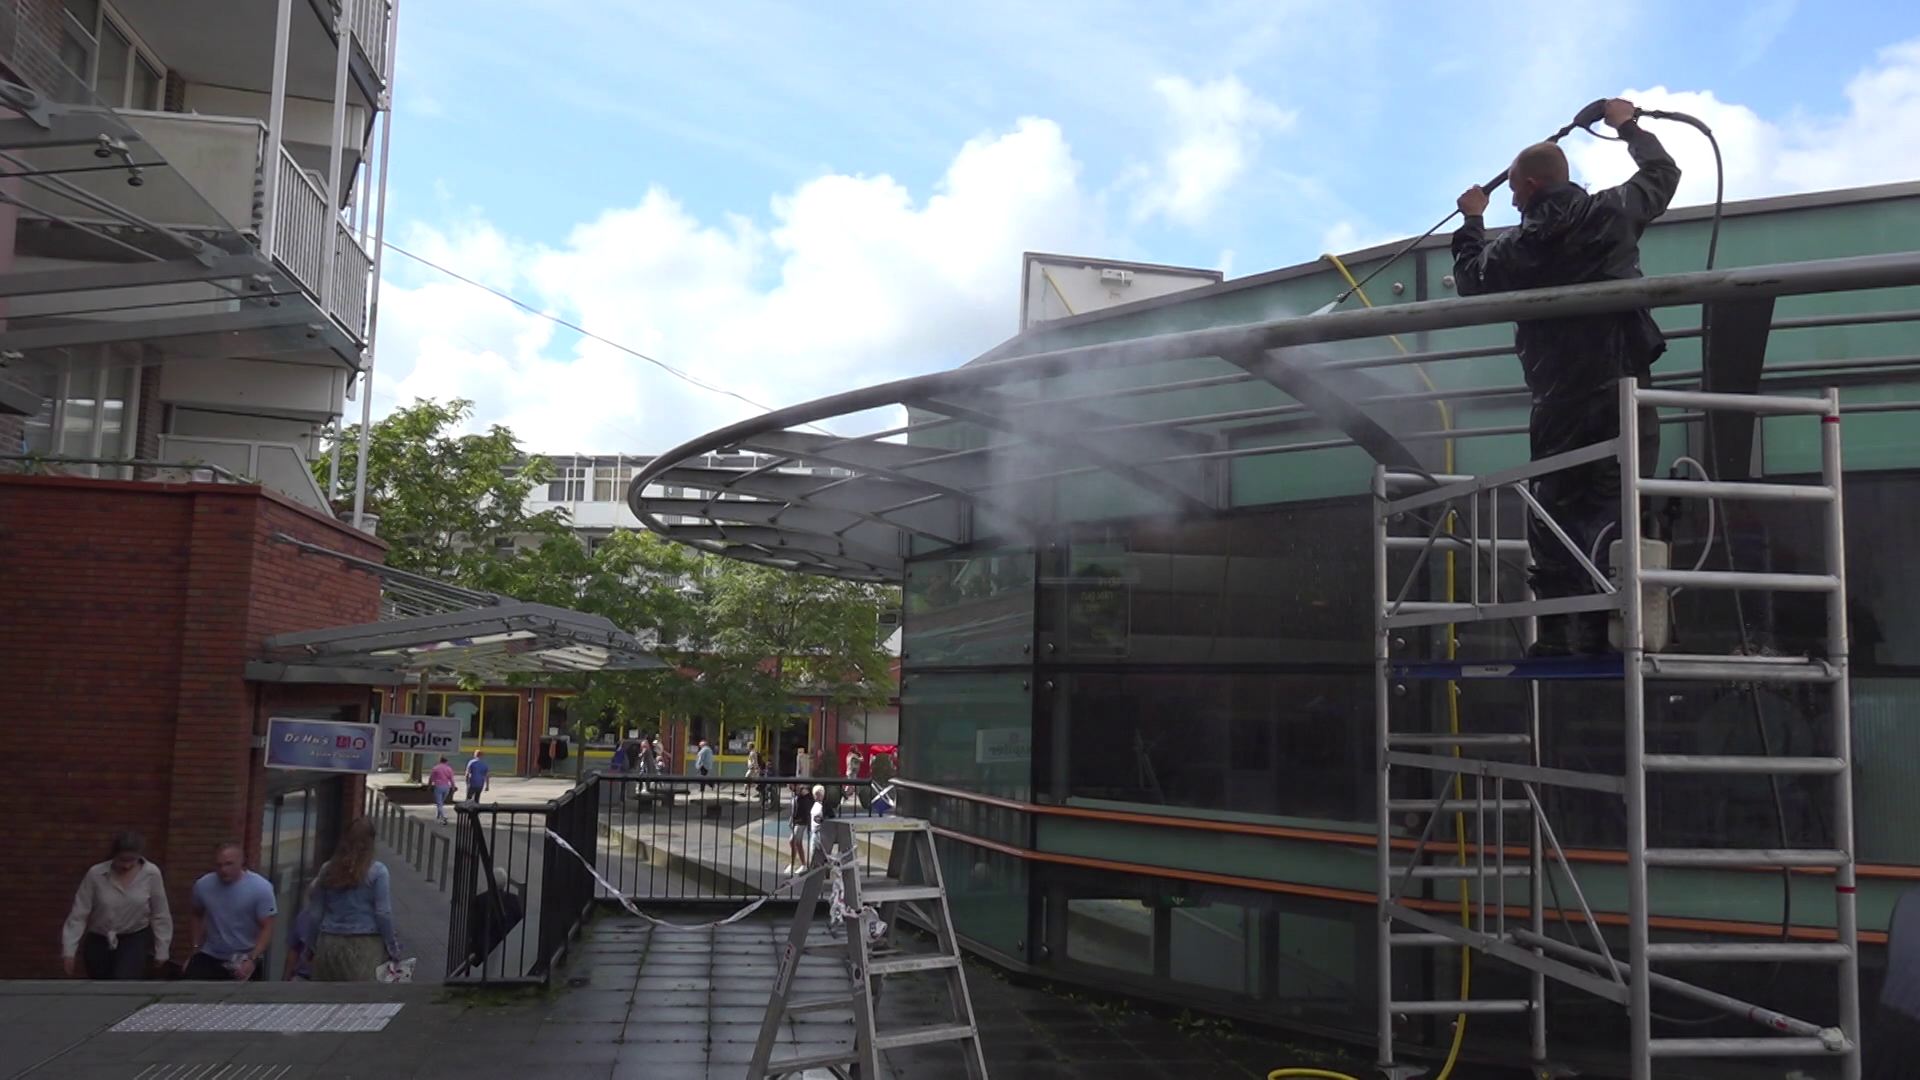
x=742 y=640
x=446 y=500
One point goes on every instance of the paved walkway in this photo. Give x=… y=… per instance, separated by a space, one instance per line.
x=420 y=916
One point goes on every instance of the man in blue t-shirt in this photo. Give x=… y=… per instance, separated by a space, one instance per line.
x=476 y=777
x=233 y=913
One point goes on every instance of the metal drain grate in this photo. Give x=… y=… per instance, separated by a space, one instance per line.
x=214 y=1073
x=259 y=1018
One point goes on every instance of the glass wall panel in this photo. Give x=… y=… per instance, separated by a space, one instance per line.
x=973 y=732
x=1217 y=946
x=987 y=894
x=1283 y=587
x=970 y=610
x=1113 y=934
x=1293 y=745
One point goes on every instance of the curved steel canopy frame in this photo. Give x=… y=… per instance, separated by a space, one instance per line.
x=850 y=507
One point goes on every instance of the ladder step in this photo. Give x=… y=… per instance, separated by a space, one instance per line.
x=1764 y=857
x=1756 y=764
x=921 y=1036
x=1512 y=870
x=1455 y=806
x=1768 y=951
x=820 y=1004
x=1453 y=1008
x=1727 y=579
x=1756 y=1046
x=1738 y=668
x=895 y=965
x=887 y=824
x=844 y=1055
x=887 y=892
x=1734 y=489
x=1462 y=739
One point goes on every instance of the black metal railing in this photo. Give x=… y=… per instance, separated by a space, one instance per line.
x=518 y=895
x=668 y=839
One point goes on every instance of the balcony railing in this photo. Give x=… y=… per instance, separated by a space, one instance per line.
x=352 y=272
x=300 y=221
x=367 y=21
x=279 y=466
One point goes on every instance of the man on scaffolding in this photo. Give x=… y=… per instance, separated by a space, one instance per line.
x=1572 y=366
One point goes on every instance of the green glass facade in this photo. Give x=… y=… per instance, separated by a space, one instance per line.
x=1156 y=726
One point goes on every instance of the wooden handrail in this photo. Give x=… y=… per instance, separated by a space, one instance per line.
x=1598 y=856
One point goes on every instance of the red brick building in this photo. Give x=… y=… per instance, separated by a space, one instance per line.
x=129 y=614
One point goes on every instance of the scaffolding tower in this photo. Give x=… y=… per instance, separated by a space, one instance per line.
x=1487 y=784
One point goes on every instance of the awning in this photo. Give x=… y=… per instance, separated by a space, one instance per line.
x=487 y=642
x=1148 y=425
x=433 y=628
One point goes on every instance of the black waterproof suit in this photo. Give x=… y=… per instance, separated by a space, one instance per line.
x=1573 y=365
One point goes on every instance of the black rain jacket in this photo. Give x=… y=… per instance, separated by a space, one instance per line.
x=1565 y=237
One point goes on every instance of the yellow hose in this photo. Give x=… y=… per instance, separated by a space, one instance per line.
x=1453 y=725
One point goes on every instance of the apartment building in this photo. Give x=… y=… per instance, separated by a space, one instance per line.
x=188 y=263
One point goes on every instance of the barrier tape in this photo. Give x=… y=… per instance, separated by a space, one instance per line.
x=839 y=908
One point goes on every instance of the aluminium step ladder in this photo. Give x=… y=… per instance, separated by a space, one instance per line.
x=1487 y=831
x=862 y=918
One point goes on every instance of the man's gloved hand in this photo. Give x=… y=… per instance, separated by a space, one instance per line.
x=1619 y=111
x=1473 y=201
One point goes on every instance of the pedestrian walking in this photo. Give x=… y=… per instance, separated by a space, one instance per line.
x=477 y=770
x=703 y=760
x=353 y=911
x=817 y=816
x=442 y=781
x=120 y=918
x=233 y=913
x=797 y=825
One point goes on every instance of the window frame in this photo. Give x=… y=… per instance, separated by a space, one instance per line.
x=137 y=51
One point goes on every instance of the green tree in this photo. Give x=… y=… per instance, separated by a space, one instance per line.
x=450 y=504
x=777 y=634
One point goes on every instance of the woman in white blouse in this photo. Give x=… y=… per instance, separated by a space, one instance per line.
x=120 y=917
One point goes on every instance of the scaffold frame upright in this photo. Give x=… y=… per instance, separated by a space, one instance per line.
x=1484 y=778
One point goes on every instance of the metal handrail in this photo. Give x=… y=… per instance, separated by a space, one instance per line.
x=131 y=463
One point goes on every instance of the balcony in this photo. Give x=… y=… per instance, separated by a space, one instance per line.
x=189 y=231
x=275 y=465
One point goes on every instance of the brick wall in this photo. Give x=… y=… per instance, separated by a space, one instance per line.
x=128 y=614
x=33 y=50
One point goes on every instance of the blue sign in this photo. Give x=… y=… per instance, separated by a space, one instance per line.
x=325 y=745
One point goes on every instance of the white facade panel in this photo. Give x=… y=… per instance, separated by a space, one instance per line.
x=1060 y=286
x=258 y=387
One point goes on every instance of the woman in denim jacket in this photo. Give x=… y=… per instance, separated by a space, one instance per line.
x=353 y=906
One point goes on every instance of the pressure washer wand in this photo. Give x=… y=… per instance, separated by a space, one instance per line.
x=1595 y=112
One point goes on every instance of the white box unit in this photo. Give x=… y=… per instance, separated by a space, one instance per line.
x=1061 y=286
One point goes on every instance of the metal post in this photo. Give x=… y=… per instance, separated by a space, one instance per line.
x=1640 y=997
x=276 y=126
x=379 y=258
x=330 y=254
x=1383 y=846
x=413 y=759
x=333 y=469
x=1845 y=916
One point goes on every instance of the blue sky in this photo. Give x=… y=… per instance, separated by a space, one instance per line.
x=795 y=199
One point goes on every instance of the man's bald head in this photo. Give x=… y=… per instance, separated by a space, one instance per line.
x=1539 y=166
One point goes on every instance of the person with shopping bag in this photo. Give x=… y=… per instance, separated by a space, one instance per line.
x=353 y=907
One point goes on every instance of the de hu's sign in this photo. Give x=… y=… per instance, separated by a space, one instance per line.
x=323 y=745
x=403 y=734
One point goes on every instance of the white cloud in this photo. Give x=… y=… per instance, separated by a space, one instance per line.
x=1877 y=140
x=1216 y=132
x=855 y=281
